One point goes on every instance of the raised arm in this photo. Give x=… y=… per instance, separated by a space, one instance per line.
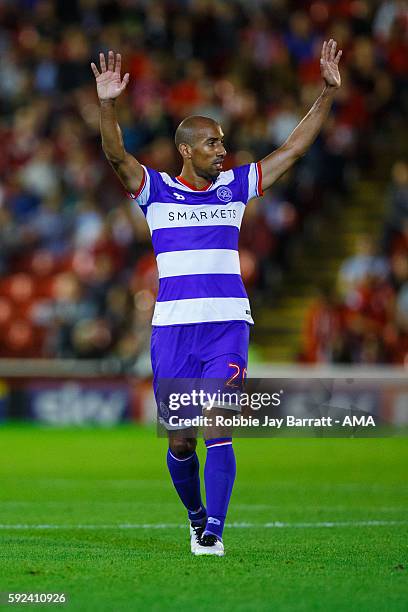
x=109 y=87
x=278 y=162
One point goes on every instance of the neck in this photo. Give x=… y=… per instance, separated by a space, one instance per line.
x=194 y=180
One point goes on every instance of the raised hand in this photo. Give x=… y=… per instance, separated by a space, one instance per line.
x=108 y=82
x=329 y=64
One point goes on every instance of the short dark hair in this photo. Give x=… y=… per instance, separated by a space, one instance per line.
x=187 y=131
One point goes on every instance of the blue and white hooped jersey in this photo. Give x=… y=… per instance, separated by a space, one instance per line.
x=195 y=239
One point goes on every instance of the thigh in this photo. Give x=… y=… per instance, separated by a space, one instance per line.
x=226 y=354
x=172 y=353
x=225 y=366
x=224 y=378
x=229 y=368
x=174 y=367
x=217 y=339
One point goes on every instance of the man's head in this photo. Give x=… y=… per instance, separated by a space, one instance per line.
x=200 y=142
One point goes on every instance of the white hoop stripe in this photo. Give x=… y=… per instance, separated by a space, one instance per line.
x=201 y=261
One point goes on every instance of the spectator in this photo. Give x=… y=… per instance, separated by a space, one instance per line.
x=397 y=206
x=361 y=266
x=62 y=214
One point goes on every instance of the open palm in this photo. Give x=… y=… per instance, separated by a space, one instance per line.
x=109 y=84
x=329 y=64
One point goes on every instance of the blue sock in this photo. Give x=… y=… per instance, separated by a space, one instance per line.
x=185 y=474
x=219 y=476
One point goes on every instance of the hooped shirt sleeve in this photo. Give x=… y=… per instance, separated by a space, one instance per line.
x=148 y=189
x=250 y=179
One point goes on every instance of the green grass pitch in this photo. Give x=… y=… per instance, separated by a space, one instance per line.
x=92 y=490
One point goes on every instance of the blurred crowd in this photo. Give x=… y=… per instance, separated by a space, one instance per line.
x=77 y=274
x=364 y=320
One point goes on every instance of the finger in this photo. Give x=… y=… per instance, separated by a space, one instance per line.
x=329 y=44
x=95 y=70
x=333 y=51
x=323 y=55
x=111 y=61
x=338 y=56
x=118 y=63
x=102 y=62
x=125 y=81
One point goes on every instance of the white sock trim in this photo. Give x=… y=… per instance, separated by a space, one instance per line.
x=196 y=511
x=177 y=459
x=218 y=444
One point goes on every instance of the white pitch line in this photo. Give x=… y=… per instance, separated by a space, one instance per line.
x=272 y=525
x=250 y=507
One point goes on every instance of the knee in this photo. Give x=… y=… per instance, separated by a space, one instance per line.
x=182 y=447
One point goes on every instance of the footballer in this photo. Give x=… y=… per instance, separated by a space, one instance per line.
x=202 y=317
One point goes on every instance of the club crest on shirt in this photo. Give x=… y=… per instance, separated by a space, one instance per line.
x=224 y=194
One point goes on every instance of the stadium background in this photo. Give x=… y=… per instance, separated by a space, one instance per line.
x=314 y=524
x=77 y=280
x=324 y=254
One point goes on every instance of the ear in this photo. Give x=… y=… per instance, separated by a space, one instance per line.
x=185 y=151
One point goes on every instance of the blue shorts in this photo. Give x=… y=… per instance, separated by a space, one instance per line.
x=217 y=351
